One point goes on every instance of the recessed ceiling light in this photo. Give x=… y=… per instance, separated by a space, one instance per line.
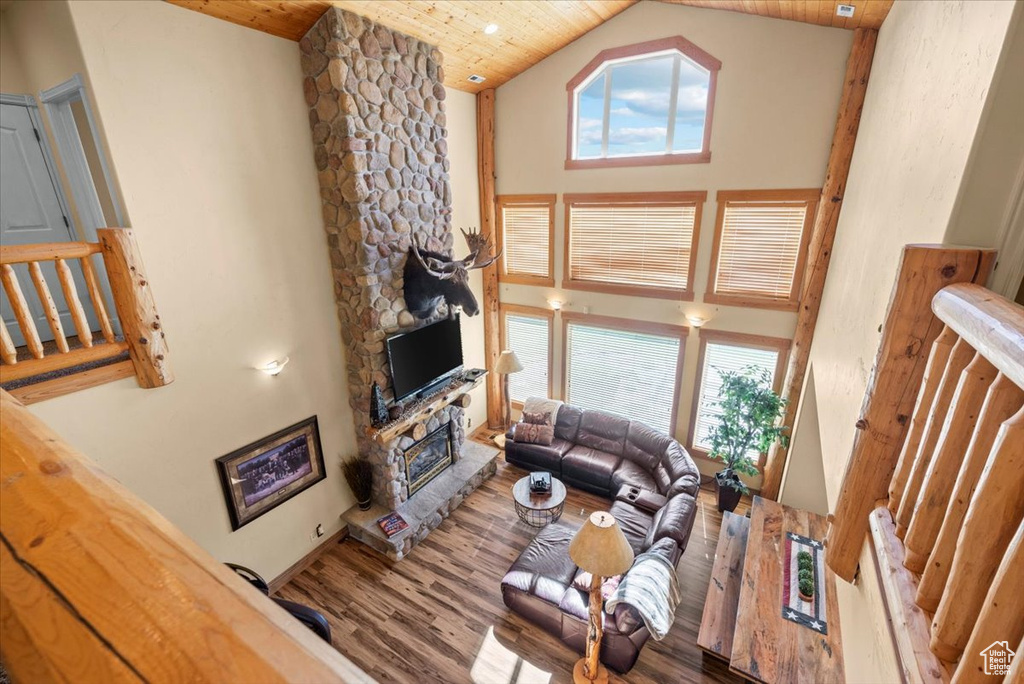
x=845 y=10
x=477 y=79
x=491 y=28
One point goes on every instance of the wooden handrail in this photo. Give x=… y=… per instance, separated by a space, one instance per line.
x=46 y=251
x=948 y=541
x=991 y=324
x=95 y=585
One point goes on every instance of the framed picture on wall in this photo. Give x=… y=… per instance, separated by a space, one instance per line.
x=263 y=475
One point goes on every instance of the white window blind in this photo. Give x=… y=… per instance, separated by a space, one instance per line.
x=529 y=337
x=644 y=245
x=724 y=357
x=620 y=371
x=526 y=232
x=759 y=249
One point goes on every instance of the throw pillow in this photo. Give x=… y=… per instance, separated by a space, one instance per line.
x=539 y=418
x=530 y=433
x=608 y=587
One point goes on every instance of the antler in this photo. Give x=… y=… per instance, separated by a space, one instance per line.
x=443 y=273
x=478 y=245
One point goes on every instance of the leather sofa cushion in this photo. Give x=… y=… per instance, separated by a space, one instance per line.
x=674 y=521
x=634 y=522
x=567 y=424
x=544 y=569
x=538 y=456
x=676 y=472
x=603 y=431
x=589 y=468
x=630 y=473
x=645 y=446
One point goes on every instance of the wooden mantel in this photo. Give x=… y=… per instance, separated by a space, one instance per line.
x=414 y=419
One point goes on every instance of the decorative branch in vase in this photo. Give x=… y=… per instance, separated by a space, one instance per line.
x=748 y=425
x=359 y=475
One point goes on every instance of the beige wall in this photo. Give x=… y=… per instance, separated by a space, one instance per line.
x=208 y=131
x=13 y=79
x=778 y=93
x=461 y=111
x=929 y=81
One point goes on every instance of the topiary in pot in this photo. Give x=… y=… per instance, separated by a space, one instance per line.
x=749 y=413
x=806 y=589
x=359 y=476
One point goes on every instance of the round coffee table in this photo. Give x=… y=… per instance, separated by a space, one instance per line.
x=539 y=509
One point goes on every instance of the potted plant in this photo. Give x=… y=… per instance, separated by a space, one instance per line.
x=805 y=576
x=359 y=475
x=748 y=425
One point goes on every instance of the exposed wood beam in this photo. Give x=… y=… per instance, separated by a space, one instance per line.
x=492 y=322
x=823 y=235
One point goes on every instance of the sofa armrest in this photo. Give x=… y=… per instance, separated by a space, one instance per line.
x=641 y=498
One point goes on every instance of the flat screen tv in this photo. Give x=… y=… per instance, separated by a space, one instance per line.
x=425 y=357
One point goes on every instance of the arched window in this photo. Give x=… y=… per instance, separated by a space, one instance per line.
x=636 y=105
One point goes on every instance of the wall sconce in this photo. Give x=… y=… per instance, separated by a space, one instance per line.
x=696 y=321
x=556 y=304
x=274 y=367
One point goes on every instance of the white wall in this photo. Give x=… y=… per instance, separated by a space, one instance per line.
x=208 y=131
x=932 y=70
x=778 y=94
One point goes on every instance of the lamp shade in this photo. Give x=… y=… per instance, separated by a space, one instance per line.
x=600 y=548
x=508 y=362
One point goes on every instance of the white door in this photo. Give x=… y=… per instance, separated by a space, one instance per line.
x=29 y=214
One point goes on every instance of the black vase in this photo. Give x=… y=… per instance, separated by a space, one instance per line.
x=728 y=495
x=378 y=407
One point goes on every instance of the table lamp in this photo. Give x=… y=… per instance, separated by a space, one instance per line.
x=601 y=549
x=507 y=363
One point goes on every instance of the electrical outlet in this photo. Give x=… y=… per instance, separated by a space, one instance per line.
x=317 y=533
x=469 y=423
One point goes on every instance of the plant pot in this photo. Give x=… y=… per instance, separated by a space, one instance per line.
x=804 y=597
x=365 y=505
x=728 y=496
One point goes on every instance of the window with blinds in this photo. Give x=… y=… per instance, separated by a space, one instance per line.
x=760 y=247
x=530 y=338
x=719 y=357
x=642 y=244
x=629 y=372
x=526 y=225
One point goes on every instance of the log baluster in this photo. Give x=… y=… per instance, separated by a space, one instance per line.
x=1002 y=615
x=49 y=308
x=937 y=359
x=946 y=461
x=992 y=519
x=67 y=284
x=21 y=311
x=96 y=296
x=8 y=352
x=959 y=357
x=1016 y=673
x=1004 y=399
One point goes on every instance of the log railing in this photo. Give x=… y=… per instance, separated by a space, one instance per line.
x=143 y=336
x=96 y=586
x=948 y=535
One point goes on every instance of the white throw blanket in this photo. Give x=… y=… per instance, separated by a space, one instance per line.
x=651 y=587
x=542 y=405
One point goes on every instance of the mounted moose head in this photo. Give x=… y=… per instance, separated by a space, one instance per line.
x=431 y=277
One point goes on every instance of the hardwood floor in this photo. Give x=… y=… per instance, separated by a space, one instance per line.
x=437 y=616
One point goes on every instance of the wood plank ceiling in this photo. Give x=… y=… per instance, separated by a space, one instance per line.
x=528 y=30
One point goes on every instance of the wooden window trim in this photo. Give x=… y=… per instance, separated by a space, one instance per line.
x=627 y=325
x=501 y=201
x=697 y=197
x=779 y=344
x=505 y=309
x=690 y=50
x=723 y=197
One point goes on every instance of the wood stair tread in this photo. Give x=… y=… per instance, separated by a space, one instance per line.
x=765 y=646
x=719 y=620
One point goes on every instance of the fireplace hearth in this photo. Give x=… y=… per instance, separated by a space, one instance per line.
x=425 y=459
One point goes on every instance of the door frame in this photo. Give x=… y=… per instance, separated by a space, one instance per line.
x=57 y=102
x=30 y=104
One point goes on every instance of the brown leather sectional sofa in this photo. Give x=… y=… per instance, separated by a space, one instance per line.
x=653 y=483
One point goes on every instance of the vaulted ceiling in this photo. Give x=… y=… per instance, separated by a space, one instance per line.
x=527 y=30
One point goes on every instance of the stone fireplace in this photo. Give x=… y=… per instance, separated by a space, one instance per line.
x=377 y=114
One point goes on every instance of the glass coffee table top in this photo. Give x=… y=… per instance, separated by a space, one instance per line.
x=539 y=509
